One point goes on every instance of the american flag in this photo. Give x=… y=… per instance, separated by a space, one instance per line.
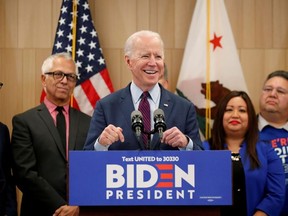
x=94 y=82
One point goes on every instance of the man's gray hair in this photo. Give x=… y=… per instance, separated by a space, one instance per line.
x=48 y=62
x=130 y=42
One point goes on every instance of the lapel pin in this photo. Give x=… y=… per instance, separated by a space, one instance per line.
x=166 y=105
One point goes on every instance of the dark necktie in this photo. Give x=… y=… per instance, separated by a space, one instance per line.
x=144 y=108
x=61 y=125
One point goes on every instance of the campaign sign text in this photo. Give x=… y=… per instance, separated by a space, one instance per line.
x=150 y=178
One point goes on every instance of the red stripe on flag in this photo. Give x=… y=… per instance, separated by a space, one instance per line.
x=90 y=92
x=75 y=104
x=105 y=75
x=43 y=94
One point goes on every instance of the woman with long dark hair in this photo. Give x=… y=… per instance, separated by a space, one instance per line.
x=258 y=176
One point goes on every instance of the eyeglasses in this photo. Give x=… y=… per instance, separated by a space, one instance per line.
x=1 y=84
x=59 y=75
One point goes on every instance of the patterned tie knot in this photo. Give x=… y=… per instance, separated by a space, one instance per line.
x=145 y=95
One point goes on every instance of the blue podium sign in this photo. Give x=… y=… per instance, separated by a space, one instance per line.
x=111 y=178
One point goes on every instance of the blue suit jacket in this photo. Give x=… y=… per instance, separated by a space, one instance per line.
x=8 y=204
x=116 y=109
x=265 y=186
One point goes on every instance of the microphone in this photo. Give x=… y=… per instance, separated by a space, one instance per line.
x=159 y=122
x=136 y=123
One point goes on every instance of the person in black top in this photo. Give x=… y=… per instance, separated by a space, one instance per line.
x=8 y=201
x=258 y=176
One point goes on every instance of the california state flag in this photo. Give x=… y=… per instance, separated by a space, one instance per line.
x=210 y=67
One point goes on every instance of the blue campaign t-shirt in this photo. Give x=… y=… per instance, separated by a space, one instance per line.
x=278 y=138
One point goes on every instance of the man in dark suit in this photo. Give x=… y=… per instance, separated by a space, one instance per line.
x=8 y=203
x=110 y=127
x=40 y=155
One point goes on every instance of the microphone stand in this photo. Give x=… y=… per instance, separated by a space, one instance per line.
x=149 y=138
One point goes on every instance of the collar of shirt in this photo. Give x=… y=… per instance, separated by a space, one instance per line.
x=263 y=123
x=51 y=108
x=154 y=99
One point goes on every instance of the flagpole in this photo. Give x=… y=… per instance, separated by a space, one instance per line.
x=74 y=31
x=208 y=87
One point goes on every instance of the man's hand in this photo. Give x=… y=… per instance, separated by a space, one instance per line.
x=110 y=135
x=260 y=213
x=67 y=211
x=175 y=138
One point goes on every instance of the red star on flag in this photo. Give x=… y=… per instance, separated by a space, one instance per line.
x=216 y=42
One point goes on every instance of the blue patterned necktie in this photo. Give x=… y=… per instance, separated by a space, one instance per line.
x=144 y=108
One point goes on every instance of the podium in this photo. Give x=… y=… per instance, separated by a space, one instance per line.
x=150 y=211
x=150 y=182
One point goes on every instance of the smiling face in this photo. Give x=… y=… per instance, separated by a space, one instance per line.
x=59 y=91
x=146 y=61
x=235 y=119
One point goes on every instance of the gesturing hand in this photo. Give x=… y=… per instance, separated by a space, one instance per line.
x=110 y=135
